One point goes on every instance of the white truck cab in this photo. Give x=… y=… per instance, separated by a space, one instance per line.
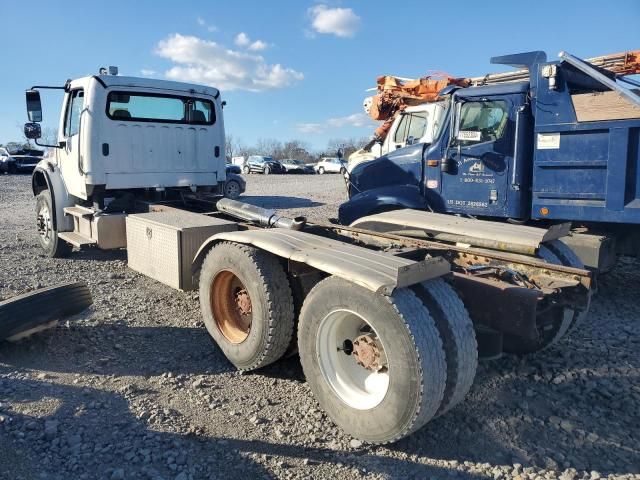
x=125 y=136
x=416 y=124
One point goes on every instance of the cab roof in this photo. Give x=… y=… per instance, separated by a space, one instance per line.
x=152 y=83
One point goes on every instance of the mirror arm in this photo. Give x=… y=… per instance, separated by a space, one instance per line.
x=49 y=87
x=46 y=145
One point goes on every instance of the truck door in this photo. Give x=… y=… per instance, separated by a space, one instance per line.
x=478 y=175
x=69 y=156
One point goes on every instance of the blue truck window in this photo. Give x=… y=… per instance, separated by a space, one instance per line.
x=482 y=122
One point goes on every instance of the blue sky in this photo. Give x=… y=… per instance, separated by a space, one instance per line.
x=288 y=69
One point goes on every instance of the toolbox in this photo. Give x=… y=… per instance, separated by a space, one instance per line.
x=162 y=245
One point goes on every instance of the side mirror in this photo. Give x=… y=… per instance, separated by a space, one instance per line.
x=32 y=131
x=34 y=107
x=410 y=140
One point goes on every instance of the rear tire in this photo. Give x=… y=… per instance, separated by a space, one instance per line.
x=399 y=384
x=246 y=304
x=47 y=231
x=556 y=322
x=458 y=338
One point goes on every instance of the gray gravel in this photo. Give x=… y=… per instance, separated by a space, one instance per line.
x=134 y=389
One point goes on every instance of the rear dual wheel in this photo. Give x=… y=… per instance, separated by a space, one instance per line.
x=378 y=365
x=246 y=304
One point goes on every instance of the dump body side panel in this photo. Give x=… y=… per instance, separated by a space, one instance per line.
x=583 y=170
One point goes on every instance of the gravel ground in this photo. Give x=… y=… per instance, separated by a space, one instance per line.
x=134 y=388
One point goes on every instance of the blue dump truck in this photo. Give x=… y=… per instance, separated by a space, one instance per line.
x=560 y=145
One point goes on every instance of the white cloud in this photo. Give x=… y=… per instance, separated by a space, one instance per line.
x=257 y=46
x=242 y=39
x=342 y=22
x=354 y=120
x=203 y=61
x=202 y=22
x=148 y=72
x=310 y=128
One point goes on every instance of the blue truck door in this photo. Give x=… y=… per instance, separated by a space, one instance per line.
x=479 y=178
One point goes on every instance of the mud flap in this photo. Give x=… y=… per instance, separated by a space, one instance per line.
x=500 y=306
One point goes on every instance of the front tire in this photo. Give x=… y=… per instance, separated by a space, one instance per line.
x=267 y=170
x=246 y=304
x=47 y=233
x=321 y=170
x=375 y=364
x=246 y=170
x=232 y=189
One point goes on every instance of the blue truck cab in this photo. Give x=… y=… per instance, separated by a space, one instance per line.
x=563 y=145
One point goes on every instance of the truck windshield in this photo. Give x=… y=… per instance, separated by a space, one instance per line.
x=147 y=107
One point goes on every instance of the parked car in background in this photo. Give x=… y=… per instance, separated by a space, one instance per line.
x=260 y=164
x=331 y=165
x=296 y=166
x=19 y=160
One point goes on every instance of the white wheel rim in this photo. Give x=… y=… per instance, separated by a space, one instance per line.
x=44 y=223
x=359 y=387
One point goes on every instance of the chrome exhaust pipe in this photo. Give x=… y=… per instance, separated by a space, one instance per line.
x=258 y=215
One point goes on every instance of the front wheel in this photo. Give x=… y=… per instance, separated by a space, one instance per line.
x=47 y=232
x=246 y=170
x=267 y=170
x=232 y=189
x=342 y=170
x=376 y=364
x=321 y=170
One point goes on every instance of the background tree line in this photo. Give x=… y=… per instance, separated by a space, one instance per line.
x=295 y=149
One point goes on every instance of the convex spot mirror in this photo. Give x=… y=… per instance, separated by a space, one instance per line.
x=34 y=107
x=32 y=131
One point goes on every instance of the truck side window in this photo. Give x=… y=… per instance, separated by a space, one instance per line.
x=72 y=120
x=481 y=122
x=418 y=125
x=401 y=131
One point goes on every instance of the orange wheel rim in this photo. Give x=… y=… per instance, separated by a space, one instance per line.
x=231 y=306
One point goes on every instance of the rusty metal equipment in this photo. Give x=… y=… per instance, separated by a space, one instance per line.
x=505 y=292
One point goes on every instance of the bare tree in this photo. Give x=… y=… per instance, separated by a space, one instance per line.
x=348 y=146
x=296 y=149
x=233 y=146
x=269 y=147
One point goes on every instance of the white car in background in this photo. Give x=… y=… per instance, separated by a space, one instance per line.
x=331 y=165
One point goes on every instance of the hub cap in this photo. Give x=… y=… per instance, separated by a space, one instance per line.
x=43 y=224
x=352 y=359
x=232 y=189
x=231 y=306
